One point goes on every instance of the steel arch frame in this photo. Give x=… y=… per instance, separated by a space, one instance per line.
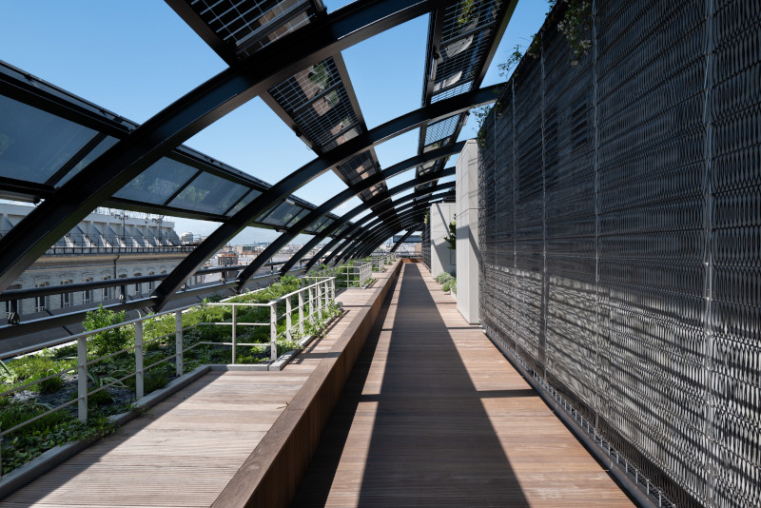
x=373 y=220
x=294 y=181
x=340 y=198
x=402 y=239
x=370 y=243
x=353 y=232
x=351 y=244
x=53 y=218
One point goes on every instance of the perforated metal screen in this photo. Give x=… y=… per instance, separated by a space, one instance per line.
x=620 y=236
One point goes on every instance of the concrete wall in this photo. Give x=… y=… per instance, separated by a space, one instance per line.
x=443 y=259
x=468 y=254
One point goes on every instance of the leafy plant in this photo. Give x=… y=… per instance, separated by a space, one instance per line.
x=451 y=238
x=52 y=385
x=109 y=341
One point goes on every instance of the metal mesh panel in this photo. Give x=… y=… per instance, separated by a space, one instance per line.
x=249 y=25
x=620 y=218
x=426 y=245
x=318 y=103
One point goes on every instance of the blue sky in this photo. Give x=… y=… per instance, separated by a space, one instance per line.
x=136 y=57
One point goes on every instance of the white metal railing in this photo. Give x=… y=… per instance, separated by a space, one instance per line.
x=319 y=295
x=357 y=274
x=313 y=300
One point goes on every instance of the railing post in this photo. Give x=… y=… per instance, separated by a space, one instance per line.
x=311 y=306
x=139 y=374
x=178 y=341
x=288 y=323
x=301 y=313
x=82 y=378
x=235 y=334
x=333 y=288
x=273 y=330
x=319 y=301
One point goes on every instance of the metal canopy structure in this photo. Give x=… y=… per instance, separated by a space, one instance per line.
x=71 y=155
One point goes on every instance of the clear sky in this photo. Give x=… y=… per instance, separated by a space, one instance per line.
x=135 y=57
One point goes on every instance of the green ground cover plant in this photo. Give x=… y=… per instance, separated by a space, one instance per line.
x=117 y=395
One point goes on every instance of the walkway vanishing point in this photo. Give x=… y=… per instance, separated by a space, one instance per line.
x=432 y=415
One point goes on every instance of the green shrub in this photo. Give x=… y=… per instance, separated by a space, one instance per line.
x=109 y=341
x=453 y=286
x=444 y=277
x=445 y=287
x=16 y=413
x=52 y=385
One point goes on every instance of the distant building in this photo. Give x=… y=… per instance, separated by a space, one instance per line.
x=101 y=247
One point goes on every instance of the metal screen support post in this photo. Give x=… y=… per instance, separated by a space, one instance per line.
x=178 y=341
x=273 y=331
x=139 y=374
x=288 y=323
x=235 y=334
x=301 y=313
x=82 y=378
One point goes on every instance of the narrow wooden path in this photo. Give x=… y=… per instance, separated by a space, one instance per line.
x=433 y=415
x=185 y=450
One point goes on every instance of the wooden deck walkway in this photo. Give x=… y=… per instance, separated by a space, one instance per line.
x=433 y=415
x=185 y=450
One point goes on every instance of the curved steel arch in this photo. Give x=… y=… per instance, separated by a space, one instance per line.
x=402 y=240
x=290 y=184
x=352 y=231
x=353 y=242
x=381 y=232
x=344 y=196
x=342 y=252
x=372 y=228
x=351 y=250
x=47 y=223
x=385 y=232
x=371 y=244
x=375 y=220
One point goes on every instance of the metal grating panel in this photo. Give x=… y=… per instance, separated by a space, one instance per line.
x=619 y=228
x=246 y=26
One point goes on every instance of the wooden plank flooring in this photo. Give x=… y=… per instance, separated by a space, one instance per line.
x=185 y=450
x=433 y=415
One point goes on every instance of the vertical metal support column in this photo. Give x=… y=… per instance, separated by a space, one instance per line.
x=13 y=316
x=709 y=397
x=234 y=335
x=596 y=163
x=273 y=331
x=178 y=341
x=545 y=277
x=288 y=323
x=301 y=313
x=82 y=378
x=139 y=371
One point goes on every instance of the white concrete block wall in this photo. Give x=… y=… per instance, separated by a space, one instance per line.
x=468 y=254
x=443 y=259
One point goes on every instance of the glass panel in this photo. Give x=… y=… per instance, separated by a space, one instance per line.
x=303 y=213
x=246 y=200
x=94 y=154
x=35 y=144
x=282 y=214
x=209 y=193
x=325 y=225
x=157 y=183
